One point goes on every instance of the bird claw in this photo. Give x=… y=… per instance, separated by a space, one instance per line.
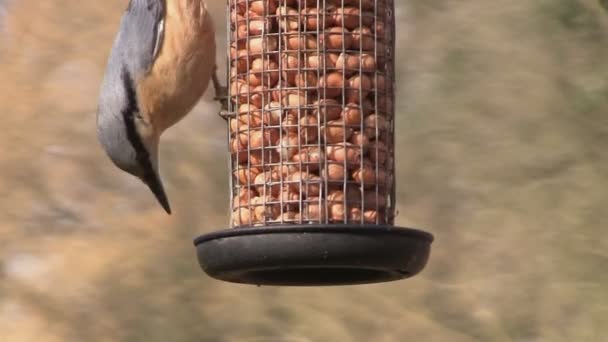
x=221 y=95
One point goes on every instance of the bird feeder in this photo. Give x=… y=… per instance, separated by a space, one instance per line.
x=311 y=127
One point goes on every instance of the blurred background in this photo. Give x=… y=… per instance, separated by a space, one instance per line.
x=503 y=135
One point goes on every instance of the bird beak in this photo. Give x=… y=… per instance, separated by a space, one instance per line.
x=152 y=178
x=156 y=185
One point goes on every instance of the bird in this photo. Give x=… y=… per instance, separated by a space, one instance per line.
x=160 y=65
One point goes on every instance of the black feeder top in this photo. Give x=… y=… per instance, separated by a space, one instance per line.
x=313 y=254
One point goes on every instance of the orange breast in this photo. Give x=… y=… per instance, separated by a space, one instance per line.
x=182 y=70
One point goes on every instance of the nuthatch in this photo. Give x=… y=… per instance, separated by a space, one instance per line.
x=160 y=65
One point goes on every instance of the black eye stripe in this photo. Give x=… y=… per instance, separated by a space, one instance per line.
x=129 y=113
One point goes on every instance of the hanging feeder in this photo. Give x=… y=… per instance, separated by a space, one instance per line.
x=310 y=111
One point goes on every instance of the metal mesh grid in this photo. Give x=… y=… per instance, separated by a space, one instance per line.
x=311 y=111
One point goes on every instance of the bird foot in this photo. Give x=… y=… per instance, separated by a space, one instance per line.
x=221 y=94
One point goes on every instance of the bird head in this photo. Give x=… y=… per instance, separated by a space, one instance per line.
x=133 y=152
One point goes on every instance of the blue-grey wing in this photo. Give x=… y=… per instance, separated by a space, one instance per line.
x=135 y=47
x=140 y=36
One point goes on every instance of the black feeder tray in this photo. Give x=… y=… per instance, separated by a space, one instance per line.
x=314 y=254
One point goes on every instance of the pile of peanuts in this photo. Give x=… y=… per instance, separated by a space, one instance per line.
x=311 y=134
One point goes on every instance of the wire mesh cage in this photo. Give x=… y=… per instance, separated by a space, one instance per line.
x=311 y=112
x=311 y=127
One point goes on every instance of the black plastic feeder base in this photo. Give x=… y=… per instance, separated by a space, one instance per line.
x=314 y=255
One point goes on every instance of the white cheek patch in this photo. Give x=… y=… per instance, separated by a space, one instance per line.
x=144 y=128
